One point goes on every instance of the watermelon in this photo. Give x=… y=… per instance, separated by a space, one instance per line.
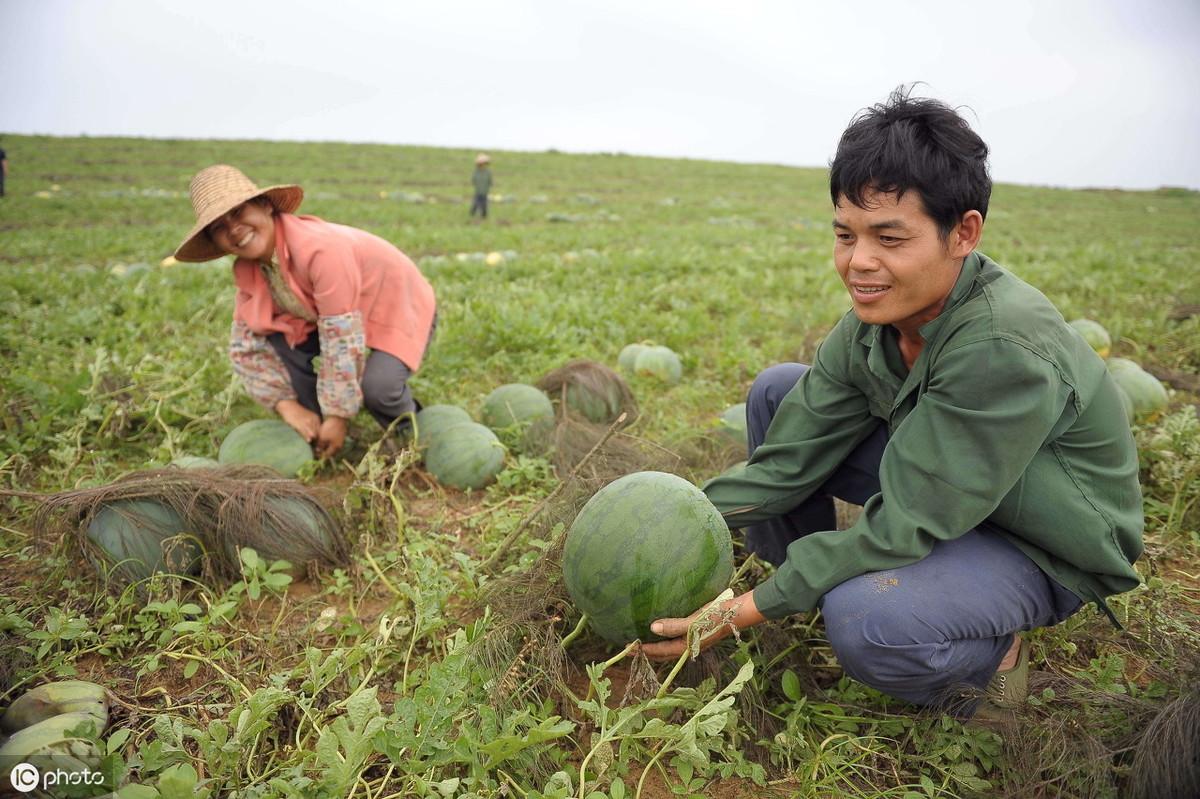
x=522 y=413
x=659 y=362
x=53 y=699
x=601 y=405
x=1094 y=334
x=269 y=442
x=297 y=531
x=465 y=455
x=48 y=745
x=134 y=534
x=628 y=357
x=648 y=545
x=436 y=418
x=733 y=423
x=1116 y=365
x=1147 y=395
x=194 y=462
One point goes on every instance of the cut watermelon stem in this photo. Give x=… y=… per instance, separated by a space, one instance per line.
x=512 y=537
x=566 y=642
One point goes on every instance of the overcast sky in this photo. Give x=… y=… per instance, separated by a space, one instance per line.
x=1070 y=93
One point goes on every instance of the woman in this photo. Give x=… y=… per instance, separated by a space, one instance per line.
x=307 y=287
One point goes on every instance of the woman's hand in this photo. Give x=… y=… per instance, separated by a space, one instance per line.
x=331 y=436
x=745 y=614
x=299 y=418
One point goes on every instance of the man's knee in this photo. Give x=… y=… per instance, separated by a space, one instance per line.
x=773 y=383
x=876 y=644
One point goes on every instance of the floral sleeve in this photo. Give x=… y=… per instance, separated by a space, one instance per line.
x=343 y=354
x=260 y=368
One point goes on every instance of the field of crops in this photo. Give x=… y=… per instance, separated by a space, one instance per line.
x=392 y=677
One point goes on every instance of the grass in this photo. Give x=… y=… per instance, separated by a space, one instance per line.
x=362 y=681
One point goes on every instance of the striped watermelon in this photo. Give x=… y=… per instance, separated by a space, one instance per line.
x=268 y=442
x=435 y=419
x=733 y=423
x=1146 y=394
x=466 y=455
x=143 y=537
x=628 y=357
x=659 y=362
x=1094 y=334
x=648 y=545
x=522 y=414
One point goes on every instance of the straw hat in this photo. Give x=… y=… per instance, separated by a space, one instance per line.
x=215 y=192
x=483 y=158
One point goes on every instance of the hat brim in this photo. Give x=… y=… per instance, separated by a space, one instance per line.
x=197 y=247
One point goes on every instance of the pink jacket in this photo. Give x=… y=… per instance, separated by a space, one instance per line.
x=334 y=270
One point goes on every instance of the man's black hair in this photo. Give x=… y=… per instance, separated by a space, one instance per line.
x=913 y=144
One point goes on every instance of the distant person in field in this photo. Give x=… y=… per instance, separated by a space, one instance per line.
x=983 y=437
x=3 y=169
x=307 y=287
x=482 y=182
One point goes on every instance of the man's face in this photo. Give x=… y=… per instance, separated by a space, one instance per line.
x=895 y=266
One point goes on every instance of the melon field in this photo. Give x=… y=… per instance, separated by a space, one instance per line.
x=439 y=659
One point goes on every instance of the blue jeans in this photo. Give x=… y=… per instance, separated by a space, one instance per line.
x=923 y=631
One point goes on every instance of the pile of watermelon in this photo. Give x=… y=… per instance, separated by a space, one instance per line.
x=1142 y=394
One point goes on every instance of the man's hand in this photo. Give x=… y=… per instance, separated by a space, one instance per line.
x=299 y=418
x=745 y=614
x=331 y=436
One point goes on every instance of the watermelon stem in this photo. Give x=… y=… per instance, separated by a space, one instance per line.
x=612 y=661
x=566 y=642
x=512 y=537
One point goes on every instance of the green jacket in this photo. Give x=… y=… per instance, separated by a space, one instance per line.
x=1007 y=416
x=482 y=180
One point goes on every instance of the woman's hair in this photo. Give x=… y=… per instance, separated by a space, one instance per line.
x=913 y=144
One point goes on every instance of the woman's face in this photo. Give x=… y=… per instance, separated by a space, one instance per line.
x=247 y=231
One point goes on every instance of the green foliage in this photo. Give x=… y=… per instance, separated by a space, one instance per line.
x=362 y=681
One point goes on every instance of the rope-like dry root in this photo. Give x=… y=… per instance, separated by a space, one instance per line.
x=224 y=508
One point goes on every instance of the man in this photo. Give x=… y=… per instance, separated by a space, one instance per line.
x=481 y=180
x=983 y=437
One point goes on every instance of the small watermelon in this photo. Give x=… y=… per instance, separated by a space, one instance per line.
x=268 y=442
x=659 y=362
x=648 y=545
x=53 y=699
x=466 y=455
x=1146 y=394
x=1116 y=365
x=49 y=746
x=436 y=418
x=732 y=423
x=628 y=357
x=522 y=414
x=144 y=537
x=298 y=531
x=598 y=404
x=1095 y=335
